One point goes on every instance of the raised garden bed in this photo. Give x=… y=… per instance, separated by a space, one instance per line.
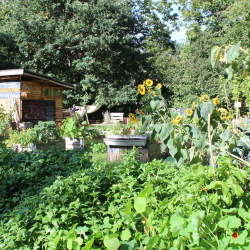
x=117 y=145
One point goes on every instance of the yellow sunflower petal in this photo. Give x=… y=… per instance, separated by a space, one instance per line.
x=149 y=82
x=141 y=89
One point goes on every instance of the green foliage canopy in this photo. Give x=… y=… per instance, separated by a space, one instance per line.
x=91 y=43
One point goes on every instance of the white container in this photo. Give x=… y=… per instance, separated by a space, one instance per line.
x=72 y=143
x=18 y=148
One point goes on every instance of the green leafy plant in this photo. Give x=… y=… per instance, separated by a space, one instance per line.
x=5 y=122
x=98 y=147
x=77 y=128
x=24 y=138
x=46 y=131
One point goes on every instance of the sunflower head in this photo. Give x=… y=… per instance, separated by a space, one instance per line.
x=223 y=111
x=189 y=112
x=216 y=101
x=149 y=82
x=141 y=89
x=175 y=122
x=155 y=93
x=204 y=98
x=159 y=86
x=178 y=118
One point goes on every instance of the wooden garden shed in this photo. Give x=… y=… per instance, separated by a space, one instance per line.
x=36 y=97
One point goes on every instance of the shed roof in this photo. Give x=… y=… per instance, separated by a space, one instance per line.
x=27 y=73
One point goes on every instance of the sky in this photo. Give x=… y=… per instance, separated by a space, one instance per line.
x=179 y=36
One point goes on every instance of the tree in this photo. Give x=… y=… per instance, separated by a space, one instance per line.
x=8 y=52
x=224 y=18
x=186 y=72
x=93 y=44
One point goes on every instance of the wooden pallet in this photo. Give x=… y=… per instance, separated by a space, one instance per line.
x=116 y=117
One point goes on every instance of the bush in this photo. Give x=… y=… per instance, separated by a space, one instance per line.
x=129 y=206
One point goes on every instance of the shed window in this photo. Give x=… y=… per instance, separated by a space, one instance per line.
x=52 y=92
x=56 y=92
x=47 y=92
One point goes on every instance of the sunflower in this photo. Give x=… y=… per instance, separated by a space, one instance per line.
x=216 y=101
x=149 y=82
x=175 y=122
x=130 y=115
x=144 y=83
x=141 y=89
x=178 y=118
x=159 y=86
x=235 y=235
x=154 y=93
x=204 y=98
x=223 y=111
x=230 y=117
x=189 y=112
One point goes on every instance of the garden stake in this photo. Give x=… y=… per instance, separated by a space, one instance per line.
x=210 y=144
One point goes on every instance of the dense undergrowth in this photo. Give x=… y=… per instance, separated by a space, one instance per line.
x=61 y=200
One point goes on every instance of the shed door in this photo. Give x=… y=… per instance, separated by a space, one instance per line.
x=34 y=111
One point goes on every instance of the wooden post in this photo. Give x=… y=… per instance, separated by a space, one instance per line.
x=85 y=110
x=210 y=144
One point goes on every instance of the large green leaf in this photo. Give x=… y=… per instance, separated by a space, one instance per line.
x=157 y=128
x=147 y=191
x=125 y=235
x=201 y=142
x=244 y=214
x=236 y=189
x=197 y=169
x=224 y=188
x=166 y=131
x=230 y=72
x=194 y=131
x=233 y=52
x=155 y=105
x=112 y=244
x=214 y=198
x=227 y=135
x=230 y=222
x=241 y=239
x=88 y=244
x=128 y=208
x=181 y=156
x=215 y=51
x=127 y=245
x=172 y=147
x=241 y=175
x=207 y=108
x=140 y=204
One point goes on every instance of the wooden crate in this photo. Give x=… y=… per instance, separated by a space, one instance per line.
x=116 y=117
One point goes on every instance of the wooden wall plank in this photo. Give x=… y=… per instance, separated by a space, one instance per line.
x=9 y=90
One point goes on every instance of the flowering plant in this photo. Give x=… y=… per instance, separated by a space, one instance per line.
x=24 y=138
x=76 y=127
x=189 y=138
x=5 y=121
